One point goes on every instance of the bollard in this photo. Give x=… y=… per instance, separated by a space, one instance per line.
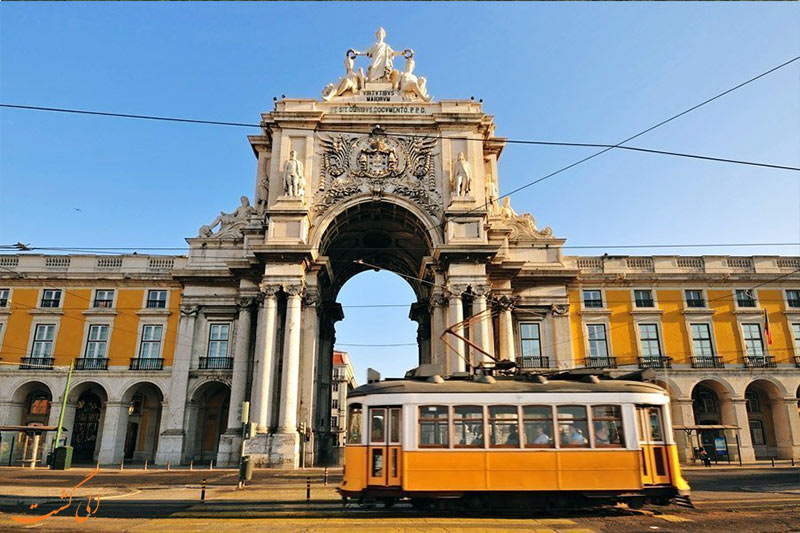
x=191 y=464
x=168 y=465
x=122 y=464
x=325 y=479
x=211 y=465
x=792 y=461
x=308 y=489
x=773 y=461
x=203 y=492
x=145 y=464
x=98 y=464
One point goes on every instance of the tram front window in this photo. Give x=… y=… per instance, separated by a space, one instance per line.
x=354 y=424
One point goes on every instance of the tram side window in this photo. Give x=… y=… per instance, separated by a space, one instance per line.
x=504 y=426
x=607 y=422
x=468 y=426
x=573 y=427
x=354 y=424
x=537 y=421
x=433 y=426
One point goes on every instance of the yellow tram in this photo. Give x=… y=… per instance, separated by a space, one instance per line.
x=515 y=441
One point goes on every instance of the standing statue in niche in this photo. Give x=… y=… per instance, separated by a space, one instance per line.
x=461 y=180
x=382 y=56
x=230 y=224
x=350 y=84
x=492 y=195
x=409 y=84
x=294 y=183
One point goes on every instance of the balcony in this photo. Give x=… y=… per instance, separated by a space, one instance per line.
x=91 y=363
x=707 y=361
x=758 y=361
x=36 y=363
x=600 y=362
x=216 y=363
x=533 y=362
x=147 y=363
x=655 y=362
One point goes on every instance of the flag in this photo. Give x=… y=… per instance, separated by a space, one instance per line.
x=767 y=331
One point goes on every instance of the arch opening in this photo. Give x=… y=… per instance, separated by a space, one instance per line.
x=143 y=421
x=208 y=419
x=712 y=405
x=764 y=402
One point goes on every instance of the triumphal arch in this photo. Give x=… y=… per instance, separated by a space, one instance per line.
x=377 y=174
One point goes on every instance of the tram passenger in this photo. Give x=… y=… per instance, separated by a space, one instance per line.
x=541 y=437
x=513 y=438
x=601 y=434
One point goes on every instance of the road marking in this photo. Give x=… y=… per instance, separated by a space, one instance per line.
x=673 y=518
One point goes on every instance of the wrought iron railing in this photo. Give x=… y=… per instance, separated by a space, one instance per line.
x=600 y=362
x=655 y=362
x=758 y=361
x=216 y=363
x=707 y=361
x=36 y=363
x=533 y=362
x=91 y=363
x=147 y=363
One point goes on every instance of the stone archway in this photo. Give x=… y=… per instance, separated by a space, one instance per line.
x=712 y=404
x=207 y=421
x=31 y=405
x=768 y=420
x=142 y=420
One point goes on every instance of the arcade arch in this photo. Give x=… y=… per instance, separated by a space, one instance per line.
x=712 y=404
x=87 y=409
x=208 y=417
x=767 y=419
x=143 y=420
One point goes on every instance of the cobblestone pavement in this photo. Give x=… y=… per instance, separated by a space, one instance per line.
x=726 y=499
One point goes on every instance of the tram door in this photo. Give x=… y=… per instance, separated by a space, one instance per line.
x=384 y=452
x=653 y=445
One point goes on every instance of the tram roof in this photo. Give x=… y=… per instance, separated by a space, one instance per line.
x=501 y=385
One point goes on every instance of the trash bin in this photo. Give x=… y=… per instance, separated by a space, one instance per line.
x=246 y=469
x=62 y=458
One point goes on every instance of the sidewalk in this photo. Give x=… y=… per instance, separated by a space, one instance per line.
x=734 y=465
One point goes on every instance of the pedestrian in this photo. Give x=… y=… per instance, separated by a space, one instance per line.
x=705 y=457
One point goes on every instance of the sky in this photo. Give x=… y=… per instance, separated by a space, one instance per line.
x=577 y=72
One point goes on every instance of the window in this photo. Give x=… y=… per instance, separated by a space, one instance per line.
x=218 y=340
x=537 y=422
x=97 y=341
x=757 y=433
x=39 y=403
x=701 y=338
x=752 y=401
x=607 y=423
x=4 y=297
x=796 y=330
x=377 y=425
x=335 y=373
x=592 y=299
x=151 y=342
x=335 y=403
x=572 y=426
x=706 y=402
x=752 y=340
x=648 y=335
x=334 y=422
x=643 y=298
x=43 y=340
x=103 y=298
x=792 y=298
x=531 y=343
x=468 y=425
x=695 y=299
x=335 y=386
x=156 y=299
x=503 y=426
x=433 y=421
x=597 y=340
x=744 y=298
x=354 y=424
x=51 y=298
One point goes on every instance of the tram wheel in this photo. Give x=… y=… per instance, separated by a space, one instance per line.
x=635 y=503
x=559 y=505
x=388 y=502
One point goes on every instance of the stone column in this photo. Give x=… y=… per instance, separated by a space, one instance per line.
x=506 y=334
x=481 y=324
x=683 y=415
x=308 y=362
x=455 y=350
x=264 y=358
x=286 y=446
x=419 y=313
x=438 y=316
x=786 y=421
x=230 y=442
x=241 y=358
x=115 y=426
x=170 y=444
x=739 y=412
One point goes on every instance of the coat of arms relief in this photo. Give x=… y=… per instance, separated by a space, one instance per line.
x=379 y=164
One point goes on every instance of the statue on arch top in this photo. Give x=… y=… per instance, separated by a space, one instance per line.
x=230 y=224
x=382 y=56
x=351 y=83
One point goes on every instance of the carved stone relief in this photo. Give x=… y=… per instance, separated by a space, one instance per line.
x=378 y=164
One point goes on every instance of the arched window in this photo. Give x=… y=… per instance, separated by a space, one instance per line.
x=753 y=401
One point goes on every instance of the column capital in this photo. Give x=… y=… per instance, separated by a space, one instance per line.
x=506 y=303
x=312 y=298
x=559 y=309
x=190 y=311
x=245 y=303
x=456 y=289
x=481 y=290
x=296 y=290
x=269 y=290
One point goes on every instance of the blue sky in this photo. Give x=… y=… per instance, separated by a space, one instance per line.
x=579 y=72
